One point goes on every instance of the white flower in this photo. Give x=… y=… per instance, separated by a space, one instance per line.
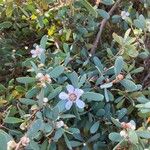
x=45 y=100
x=124 y=15
x=39 y=75
x=59 y=124
x=123 y=133
x=11 y=145
x=25 y=141
x=37 y=51
x=73 y=96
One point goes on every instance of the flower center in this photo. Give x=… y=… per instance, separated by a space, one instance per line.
x=72 y=97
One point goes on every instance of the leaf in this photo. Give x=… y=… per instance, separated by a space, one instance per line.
x=116 y=122
x=32 y=92
x=98 y=63
x=56 y=72
x=140 y=22
x=43 y=41
x=67 y=142
x=4 y=139
x=75 y=143
x=2 y=88
x=58 y=134
x=5 y=25
x=143 y=134
x=27 y=101
x=129 y=85
x=12 y=120
x=54 y=93
x=106 y=85
x=94 y=127
x=91 y=96
x=115 y=137
x=26 y=80
x=107 y=2
x=89 y=7
x=67 y=116
x=74 y=79
x=103 y=14
x=118 y=65
x=35 y=127
x=118 y=39
x=133 y=137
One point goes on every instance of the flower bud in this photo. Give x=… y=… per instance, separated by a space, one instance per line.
x=45 y=100
x=25 y=141
x=59 y=124
x=39 y=75
x=11 y=145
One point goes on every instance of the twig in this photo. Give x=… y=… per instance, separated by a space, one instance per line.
x=102 y=25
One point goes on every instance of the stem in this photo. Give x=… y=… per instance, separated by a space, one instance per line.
x=102 y=25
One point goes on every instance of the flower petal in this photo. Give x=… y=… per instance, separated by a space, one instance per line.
x=68 y=104
x=70 y=88
x=63 y=96
x=78 y=92
x=80 y=103
x=32 y=51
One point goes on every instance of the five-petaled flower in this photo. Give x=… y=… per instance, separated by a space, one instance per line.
x=43 y=79
x=37 y=51
x=124 y=15
x=73 y=96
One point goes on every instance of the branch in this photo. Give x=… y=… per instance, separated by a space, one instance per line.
x=102 y=25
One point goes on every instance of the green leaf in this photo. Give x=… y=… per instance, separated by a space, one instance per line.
x=5 y=25
x=27 y=101
x=74 y=79
x=35 y=127
x=116 y=122
x=12 y=120
x=43 y=41
x=133 y=137
x=54 y=93
x=98 y=63
x=115 y=137
x=140 y=22
x=2 y=88
x=143 y=134
x=4 y=139
x=103 y=14
x=118 y=65
x=67 y=142
x=106 y=85
x=32 y=92
x=67 y=116
x=107 y=2
x=75 y=143
x=94 y=127
x=91 y=96
x=129 y=85
x=58 y=134
x=56 y=72
x=118 y=39
x=26 y=80
x=89 y=7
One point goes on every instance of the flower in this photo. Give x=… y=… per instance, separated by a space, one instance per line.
x=73 y=96
x=124 y=133
x=129 y=125
x=59 y=124
x=25 y=141
x=37 y=51
x=11 y=145
x=43 y=79
x=124 y=15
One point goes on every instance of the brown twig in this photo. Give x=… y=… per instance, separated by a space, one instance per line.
x=102 y=25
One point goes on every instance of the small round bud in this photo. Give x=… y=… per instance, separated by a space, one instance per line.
x=25 y=141
x=26 y=47
x=120 y=77
x=39 y=75
x=84 y=144
x=59 y=124
x=41 y=65
x=45 y=100
x=23 y=126
x=13 y=50
x=11 y=145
